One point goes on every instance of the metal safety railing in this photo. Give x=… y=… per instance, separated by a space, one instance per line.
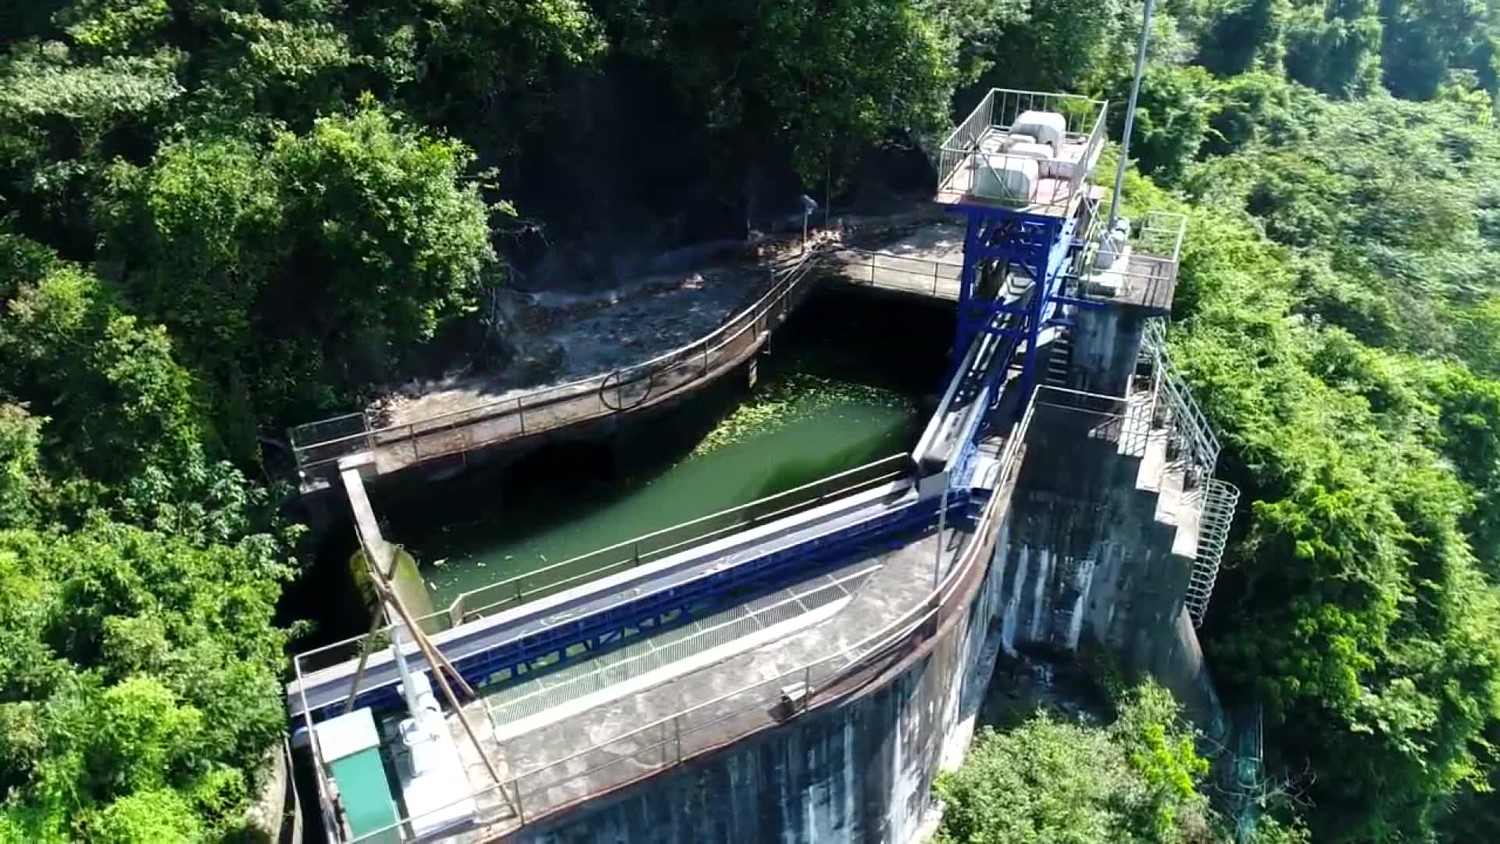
x=889 y=271
x=1146 y=273
x=622 y=556
x=657 y=545
x=1220 y=498
x=1192 y=436
x=1194 y=439
x=703 y=727
x=654 y=652
x=970 y=164
x=1161 y=235
x=1124 y=421
x=1245 y=772
x=320 y=446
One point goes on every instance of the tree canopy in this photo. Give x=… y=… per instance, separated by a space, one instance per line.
x=1325 y=277
x=1136 y=780
x=140 y=676
x=218 y=219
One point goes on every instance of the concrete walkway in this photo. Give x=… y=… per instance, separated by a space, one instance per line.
x=611 y=745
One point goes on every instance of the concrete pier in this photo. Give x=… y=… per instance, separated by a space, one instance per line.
x=394 y=564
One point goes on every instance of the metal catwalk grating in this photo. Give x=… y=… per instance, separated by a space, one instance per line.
x=526 y=698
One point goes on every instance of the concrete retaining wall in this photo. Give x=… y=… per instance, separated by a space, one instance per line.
x=859 y=772
x=1086 y=559
x=1106 y=342
x=1080 y=555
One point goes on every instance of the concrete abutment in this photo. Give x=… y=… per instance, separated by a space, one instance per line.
x=1088 y=554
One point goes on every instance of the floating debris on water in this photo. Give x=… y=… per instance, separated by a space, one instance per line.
x=787 y=400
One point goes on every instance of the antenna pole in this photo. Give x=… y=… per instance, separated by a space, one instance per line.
x=1135 y=90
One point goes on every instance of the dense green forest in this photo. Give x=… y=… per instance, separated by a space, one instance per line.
x=1073 y=778
x=221 y=218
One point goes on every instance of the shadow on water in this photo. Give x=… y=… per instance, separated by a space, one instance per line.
x=790 y=474
x=844 y=382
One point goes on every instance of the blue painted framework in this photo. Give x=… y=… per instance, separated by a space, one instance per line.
x=1041 y=247
x=711 y=593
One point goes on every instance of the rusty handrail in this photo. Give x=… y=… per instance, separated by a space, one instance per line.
x=791 y=273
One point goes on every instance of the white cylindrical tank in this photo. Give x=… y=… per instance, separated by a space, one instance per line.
x=992 y=143
x=996 y=143
x=425 y=699
x=1006 y=177
x=1048 y=127
x=1040 y=152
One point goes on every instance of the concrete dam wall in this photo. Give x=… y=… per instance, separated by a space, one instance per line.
x=1099 y=545
x=1095 y=547
x=857 y=773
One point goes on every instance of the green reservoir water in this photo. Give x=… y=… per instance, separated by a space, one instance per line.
x=844 y=383
x=786 y=434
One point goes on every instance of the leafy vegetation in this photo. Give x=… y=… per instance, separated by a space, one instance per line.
x=221 y=218
x=140 y=675
x=1138 y=780
x=1363 y=606
x=360 y=227
x=788 y=399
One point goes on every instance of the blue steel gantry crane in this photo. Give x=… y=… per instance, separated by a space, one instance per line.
x=1020 y=168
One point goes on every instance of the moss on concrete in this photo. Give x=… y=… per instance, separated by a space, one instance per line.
x=406 y=581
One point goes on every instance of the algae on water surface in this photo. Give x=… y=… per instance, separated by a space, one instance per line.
x=796 y=397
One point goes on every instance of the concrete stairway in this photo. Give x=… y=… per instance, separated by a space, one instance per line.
x=1104 y=532
x=1161 y=474
x=1199 y=510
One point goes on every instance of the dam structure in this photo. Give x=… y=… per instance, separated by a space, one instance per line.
x=800 y=668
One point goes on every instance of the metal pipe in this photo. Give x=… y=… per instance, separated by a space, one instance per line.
x=407 y=691
x=1135 y=90
x=828 y=185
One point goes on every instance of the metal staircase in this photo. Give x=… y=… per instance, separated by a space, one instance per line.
x=1193 y=441
x=1059 y=359
x=1193 y=444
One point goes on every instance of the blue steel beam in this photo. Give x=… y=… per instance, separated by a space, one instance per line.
x=1005 y=241
x=1034 y=246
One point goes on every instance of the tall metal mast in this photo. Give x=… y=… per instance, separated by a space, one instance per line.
x=1135 y=90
